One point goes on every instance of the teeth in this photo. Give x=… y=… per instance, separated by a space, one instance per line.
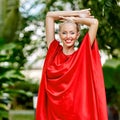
x=68 y=40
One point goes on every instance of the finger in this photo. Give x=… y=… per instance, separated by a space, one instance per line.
x=61 y=17
x=85 y=10
x=62 y=20
x=91 y=16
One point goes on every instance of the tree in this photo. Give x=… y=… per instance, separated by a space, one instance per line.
x=12 y=57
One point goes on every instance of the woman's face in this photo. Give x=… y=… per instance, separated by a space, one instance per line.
x=68 y=34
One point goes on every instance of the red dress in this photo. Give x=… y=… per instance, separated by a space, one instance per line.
x=72 y=86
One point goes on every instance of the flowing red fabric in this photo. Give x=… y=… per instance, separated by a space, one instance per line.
x=72 y=86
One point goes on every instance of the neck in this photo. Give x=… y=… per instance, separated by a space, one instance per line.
x=68 y=51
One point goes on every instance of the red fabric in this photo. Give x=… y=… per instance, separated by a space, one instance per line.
x=72 y=87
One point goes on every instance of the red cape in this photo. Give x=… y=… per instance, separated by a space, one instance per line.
x=72 y=86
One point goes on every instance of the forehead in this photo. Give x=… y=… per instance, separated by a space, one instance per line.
x=68 y=26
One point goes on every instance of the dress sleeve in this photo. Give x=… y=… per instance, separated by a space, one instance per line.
x=42 y=95
x=86 y=41
x=95 y=67
x=53 y=44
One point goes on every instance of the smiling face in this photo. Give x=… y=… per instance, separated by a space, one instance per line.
x=69 y=33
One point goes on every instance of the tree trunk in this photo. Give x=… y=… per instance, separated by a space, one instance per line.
x=9 y=17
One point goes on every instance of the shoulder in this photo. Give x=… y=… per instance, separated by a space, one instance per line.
x=54 y=44
x=53 y=48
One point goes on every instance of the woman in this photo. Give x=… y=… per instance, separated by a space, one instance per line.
x=72 y=86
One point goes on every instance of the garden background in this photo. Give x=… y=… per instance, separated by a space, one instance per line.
x=23 y=49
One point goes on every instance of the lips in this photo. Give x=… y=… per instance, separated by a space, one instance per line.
x=68 y=41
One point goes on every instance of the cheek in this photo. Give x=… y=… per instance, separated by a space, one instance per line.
x=62 y=36
x=75 y=37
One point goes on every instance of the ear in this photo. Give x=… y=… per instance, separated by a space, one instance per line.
x=78 y=35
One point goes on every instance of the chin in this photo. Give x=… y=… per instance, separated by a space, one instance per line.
x=70 y=45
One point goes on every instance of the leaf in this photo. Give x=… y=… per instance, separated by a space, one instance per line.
x=110 y=3
x=23 y=92
x=8 y=46
x=109 y=83
x=3 y=106
x=12 y=74
x=112 y=63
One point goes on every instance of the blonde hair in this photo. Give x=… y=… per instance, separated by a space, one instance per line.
x=72 y=22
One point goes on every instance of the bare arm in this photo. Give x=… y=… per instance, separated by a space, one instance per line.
x=49 y=30
x=93 y=27
x=50 y=21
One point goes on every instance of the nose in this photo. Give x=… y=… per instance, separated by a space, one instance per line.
x=68 y=35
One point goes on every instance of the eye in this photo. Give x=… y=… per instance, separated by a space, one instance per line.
x=63 y=33
x=72 y=33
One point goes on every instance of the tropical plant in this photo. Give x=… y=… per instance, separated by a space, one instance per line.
x=12 y=58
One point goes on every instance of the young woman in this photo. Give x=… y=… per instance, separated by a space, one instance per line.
x=72 y=86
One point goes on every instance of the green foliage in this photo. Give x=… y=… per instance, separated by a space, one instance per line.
x=27 y=99
x=4 y=114
x=112 y=77
x=10 y=25
x=112 y=82
x=10 y=74
x=107 y=12
x=12 y=57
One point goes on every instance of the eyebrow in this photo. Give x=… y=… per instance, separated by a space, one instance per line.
x=69 y=31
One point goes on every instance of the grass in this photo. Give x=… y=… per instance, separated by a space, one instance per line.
x=22 y=115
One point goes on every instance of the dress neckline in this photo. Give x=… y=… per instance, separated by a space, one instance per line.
x=68 y=54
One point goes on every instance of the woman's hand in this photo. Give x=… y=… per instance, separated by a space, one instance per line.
x=76 y=19
x=80 y=14
x=84 y=13
x=62 y=18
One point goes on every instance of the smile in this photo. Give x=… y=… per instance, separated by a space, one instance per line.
x=68 y=41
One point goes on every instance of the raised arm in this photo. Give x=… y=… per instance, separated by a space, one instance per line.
x=93 y=27
x=50 y=21
x=49 y=29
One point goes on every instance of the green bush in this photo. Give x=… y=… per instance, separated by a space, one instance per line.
x=24 y=101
